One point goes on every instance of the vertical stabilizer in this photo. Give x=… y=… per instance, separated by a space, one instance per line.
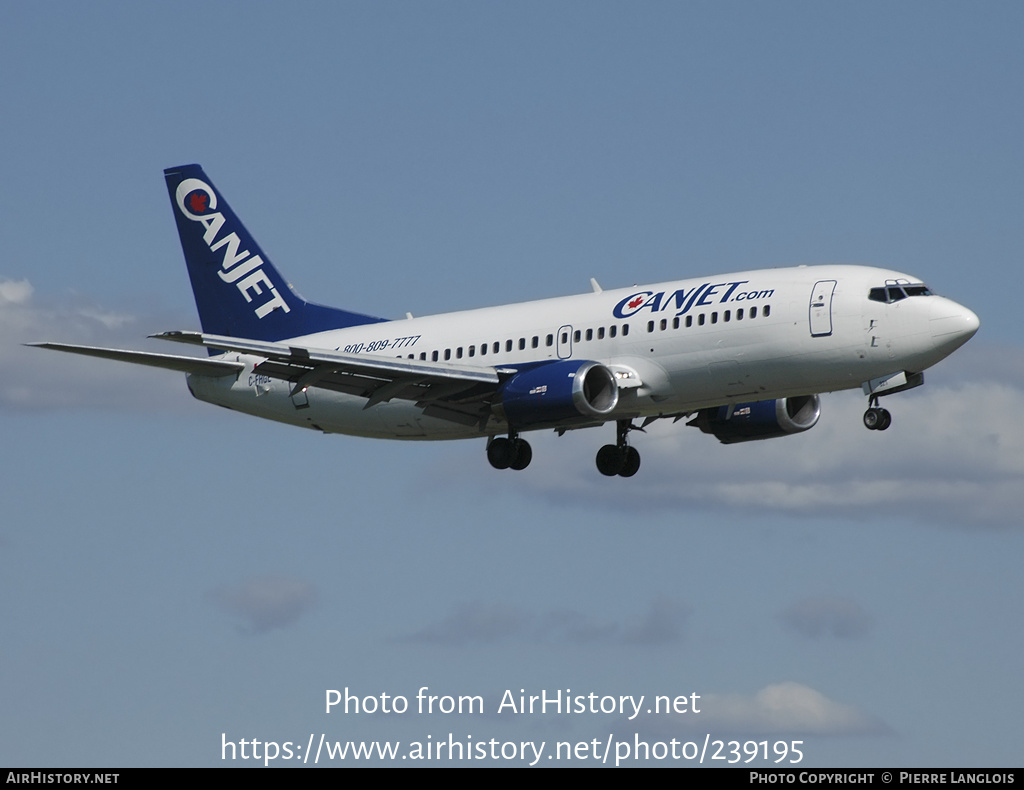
x=238 y=291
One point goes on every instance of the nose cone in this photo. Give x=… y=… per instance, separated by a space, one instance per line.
x=952 y=324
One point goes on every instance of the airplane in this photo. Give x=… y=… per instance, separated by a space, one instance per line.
x=741 y=356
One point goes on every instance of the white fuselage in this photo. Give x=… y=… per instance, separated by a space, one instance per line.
x=674 y=347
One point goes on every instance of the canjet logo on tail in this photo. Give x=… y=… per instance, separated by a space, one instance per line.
x=240 y=268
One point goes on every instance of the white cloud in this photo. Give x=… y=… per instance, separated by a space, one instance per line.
x=33 y=378
x=786 y=708
x=15 y=291
x=107 y=319
x=781 y=709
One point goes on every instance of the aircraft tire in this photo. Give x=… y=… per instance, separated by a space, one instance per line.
x=610 y=460
x=522 y=454
x=885 y=420
x=872 y=419
x=500 y=453
x=631 y=462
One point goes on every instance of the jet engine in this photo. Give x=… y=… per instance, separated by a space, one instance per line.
x=557 y=392
x=765 y=419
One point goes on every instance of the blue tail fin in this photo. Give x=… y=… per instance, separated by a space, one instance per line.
x=238 y=291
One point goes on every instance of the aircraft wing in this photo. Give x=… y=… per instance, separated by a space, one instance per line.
x=460 y=393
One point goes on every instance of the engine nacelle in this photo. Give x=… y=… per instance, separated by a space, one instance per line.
x=558 y=392
x=764 y=419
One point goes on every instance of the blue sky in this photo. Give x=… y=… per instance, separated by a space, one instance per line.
x=171 y=572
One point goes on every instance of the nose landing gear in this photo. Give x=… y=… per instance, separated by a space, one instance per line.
x=875 y=418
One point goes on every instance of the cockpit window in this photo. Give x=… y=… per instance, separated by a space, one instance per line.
x=893 y=292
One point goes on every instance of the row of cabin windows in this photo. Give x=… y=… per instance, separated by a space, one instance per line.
x=702 y=318
x=589 y=334
x=549 y=340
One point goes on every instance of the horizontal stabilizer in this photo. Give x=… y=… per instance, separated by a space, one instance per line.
x=205 y=367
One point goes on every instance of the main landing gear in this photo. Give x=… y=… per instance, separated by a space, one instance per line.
x=875 y=418
x=619 y=458
x=510 y=453
x=612 y=459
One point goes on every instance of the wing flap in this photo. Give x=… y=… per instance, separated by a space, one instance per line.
x=459 y=392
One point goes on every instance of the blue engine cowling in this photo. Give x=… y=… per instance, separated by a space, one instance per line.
x=765 y=419
x=558 y=392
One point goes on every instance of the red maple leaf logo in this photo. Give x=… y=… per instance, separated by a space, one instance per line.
x=636 y=302
x=198 y=201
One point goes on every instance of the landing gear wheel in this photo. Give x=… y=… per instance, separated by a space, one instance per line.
x=611 y=460
x=505 y=453
x=522 y=454
x=619 y=458
x=876 y=419
x=631 y=463
x=500 y=453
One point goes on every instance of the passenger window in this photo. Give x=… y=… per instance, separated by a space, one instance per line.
x=549 y=341
x=458 y=353
x=739 y=314
x=625 y=329
x=611 y=331
x=767 y=311
x=753 y=312
x=664 y=324
x=725 y=315
x=714 y=318
x=689 y=321
x=600 y=333
x=700 y=319
x=576 y=336
x=535 y=342
x=522 y=344
x=650 y=326
x=447 y=354
x=590 y=334
x=433 y=356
